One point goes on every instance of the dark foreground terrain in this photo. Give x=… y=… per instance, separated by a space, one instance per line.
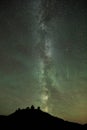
x=29 y=119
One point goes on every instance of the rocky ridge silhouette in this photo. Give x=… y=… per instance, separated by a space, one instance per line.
x=31 y=118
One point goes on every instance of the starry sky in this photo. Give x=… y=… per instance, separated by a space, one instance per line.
x=43 y=57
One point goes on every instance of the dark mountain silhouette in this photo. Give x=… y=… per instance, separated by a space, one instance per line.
x=31 y=118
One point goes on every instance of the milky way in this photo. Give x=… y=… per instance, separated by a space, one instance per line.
x=43 y=57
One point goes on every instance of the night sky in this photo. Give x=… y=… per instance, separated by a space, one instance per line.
x=43 y=57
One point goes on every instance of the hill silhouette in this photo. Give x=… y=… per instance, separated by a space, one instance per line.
x=31 y=118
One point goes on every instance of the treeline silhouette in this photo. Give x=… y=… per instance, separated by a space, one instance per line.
x=35 y=118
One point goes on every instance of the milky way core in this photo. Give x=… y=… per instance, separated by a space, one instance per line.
x=45 y=56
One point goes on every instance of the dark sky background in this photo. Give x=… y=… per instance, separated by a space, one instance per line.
x=43 y=57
